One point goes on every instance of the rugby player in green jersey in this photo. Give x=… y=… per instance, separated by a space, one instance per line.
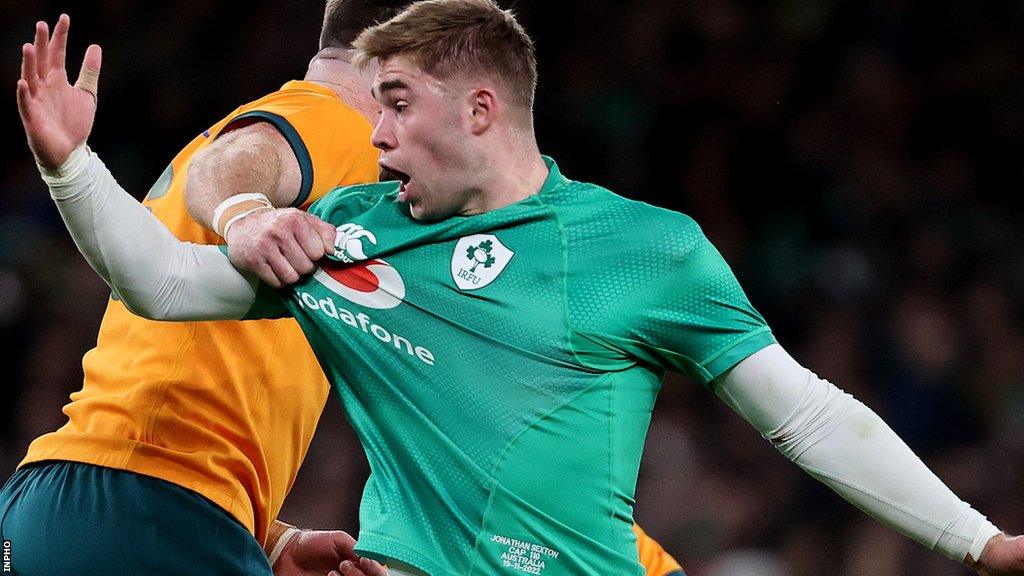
x=497 y=338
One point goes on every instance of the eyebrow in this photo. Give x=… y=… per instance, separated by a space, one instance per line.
x=383 y=87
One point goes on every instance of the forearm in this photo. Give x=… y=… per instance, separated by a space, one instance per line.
x=279 y=536
x=155 y=274
x=848 y=447
x=253 y=159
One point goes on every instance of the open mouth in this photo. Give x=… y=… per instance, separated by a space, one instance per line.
x=388 y=173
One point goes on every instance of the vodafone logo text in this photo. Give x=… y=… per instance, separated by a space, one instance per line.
x=360 y=321
x=372 y=283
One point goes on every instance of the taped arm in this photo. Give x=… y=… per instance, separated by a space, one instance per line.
x=148 y=268
x=844 y=444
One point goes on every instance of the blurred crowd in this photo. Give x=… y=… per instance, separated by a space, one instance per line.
x=856 y=162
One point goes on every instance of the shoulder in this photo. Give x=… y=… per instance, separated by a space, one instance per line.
x=305 y=108
x=298 y=95
x=598 y=214
x=357 y=198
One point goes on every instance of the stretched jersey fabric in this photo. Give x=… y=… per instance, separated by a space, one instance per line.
x=653 y=558
x=226 y=409
x=500 y=369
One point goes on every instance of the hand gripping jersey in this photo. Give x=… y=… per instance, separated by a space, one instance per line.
x=500 y=369
x=226 y=409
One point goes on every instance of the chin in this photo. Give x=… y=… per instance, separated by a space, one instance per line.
x=417 y=212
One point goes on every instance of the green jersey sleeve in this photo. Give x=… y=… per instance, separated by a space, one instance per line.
x=269 y=302
x=670 y=301
x=697 y=318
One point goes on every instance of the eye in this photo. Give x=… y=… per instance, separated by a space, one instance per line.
x=401 y=105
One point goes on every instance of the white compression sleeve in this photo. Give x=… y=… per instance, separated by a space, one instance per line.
x=844 y=444
x=148 y=268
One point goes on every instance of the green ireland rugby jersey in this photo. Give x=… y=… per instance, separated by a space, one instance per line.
x=500 y=369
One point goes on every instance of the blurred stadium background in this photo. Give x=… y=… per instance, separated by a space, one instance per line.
x=858 y=163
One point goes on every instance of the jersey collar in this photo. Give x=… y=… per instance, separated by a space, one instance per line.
x=555 y=179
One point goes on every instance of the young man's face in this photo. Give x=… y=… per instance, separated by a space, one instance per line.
x=424 y=138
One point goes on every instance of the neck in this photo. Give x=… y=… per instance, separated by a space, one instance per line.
x=514 y=173
x=333 y=69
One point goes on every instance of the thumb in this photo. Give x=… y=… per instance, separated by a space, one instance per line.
x=344 y=543
x=326 y=231
x=89 y=75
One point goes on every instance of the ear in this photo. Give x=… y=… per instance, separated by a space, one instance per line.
x=483 y=110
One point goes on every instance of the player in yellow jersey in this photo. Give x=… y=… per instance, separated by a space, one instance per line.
x=180 y=423
x=185 y=438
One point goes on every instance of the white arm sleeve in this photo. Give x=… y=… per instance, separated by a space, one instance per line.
x=155 y=274
x=844 y=444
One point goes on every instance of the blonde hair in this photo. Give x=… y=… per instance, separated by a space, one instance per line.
x=449 y=38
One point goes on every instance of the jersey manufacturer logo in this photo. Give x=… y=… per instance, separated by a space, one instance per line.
x=372 y=283
x=348 y=242
x=479 y=260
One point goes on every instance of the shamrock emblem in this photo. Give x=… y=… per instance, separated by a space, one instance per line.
x=480 y=254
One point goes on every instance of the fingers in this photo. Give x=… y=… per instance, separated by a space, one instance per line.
x=29 y=67
x=267 y=275
x=282 y=268
x=298 y=247
x=41 y=43
x=344 y=544
x=298 y=258
x=327 y=232
x=349 y=568
x=23 y=101
x=279 y=246
x=89 y=75
x=372 y=567
x=59 y=42
x=315 y=242
x=362 y=567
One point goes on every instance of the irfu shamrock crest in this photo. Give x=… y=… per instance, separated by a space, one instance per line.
x=478 y=260
x=480 y=254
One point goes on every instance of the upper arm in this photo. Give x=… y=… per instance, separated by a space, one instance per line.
x=765 y=388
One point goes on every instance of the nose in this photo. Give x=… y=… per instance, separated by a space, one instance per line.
x=382 y=136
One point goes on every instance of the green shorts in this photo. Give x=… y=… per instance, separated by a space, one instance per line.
x=71 y=518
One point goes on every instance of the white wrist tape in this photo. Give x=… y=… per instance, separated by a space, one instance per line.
x=279 y=546
x=236 y=207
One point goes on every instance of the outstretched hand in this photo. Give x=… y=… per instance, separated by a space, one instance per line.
x=57 y=116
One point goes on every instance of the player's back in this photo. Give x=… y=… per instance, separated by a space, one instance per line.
x=226 y=409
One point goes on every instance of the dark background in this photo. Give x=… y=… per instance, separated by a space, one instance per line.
x=858 y=163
